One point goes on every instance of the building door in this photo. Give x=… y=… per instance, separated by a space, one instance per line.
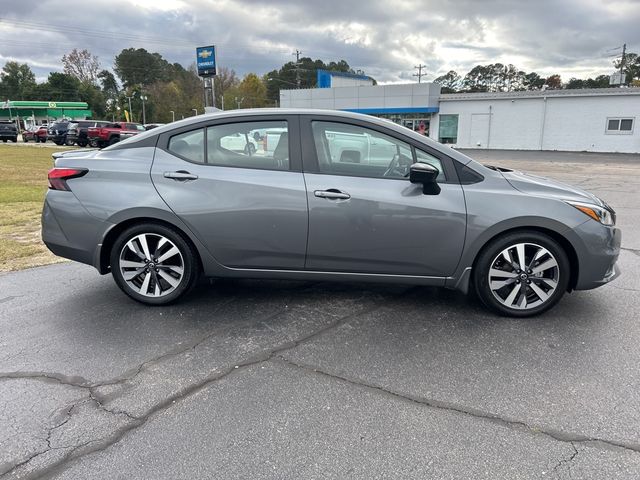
x=479 y=131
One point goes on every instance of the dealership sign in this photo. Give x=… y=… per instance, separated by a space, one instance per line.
x=206 y=61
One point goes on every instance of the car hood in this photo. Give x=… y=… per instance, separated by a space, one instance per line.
x=545 y=187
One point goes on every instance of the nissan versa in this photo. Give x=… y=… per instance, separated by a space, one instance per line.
x=322 y=195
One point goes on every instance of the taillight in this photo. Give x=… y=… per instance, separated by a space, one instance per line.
x=58 y=177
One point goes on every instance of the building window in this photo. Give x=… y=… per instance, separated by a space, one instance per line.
x=620 y=126
x=448 y=129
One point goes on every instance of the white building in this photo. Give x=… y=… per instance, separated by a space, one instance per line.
x=591 y=120
x=594 y=120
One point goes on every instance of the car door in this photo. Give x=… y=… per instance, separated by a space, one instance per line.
x=364 y=214
x=247 y=206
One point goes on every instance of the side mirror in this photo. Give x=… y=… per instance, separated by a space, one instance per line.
x=425 y=174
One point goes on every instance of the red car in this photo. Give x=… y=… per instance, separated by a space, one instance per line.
x=36 y=133
x=113 y=133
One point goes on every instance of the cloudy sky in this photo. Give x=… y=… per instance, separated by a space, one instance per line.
x=385 y=38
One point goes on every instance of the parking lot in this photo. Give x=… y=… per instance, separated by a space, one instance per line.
x=265 y=379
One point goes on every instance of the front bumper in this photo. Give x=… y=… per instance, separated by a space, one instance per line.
x=598 y=248
x=56 y=138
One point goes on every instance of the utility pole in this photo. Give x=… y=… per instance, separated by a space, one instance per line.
x=420 y=74
x=624 y=52
x=297 y=54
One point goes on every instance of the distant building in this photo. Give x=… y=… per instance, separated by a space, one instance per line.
x=37 y=111
x=593 y=120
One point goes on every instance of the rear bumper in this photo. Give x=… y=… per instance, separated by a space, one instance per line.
x=68 y=230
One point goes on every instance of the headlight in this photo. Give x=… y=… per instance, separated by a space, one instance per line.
x=598 y=213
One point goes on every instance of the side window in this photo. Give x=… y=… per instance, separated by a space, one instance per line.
x=262 y=145
x=352 y=150
x=189 y=145
x=422 y=157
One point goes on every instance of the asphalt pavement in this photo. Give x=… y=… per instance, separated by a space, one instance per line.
x=266 y=379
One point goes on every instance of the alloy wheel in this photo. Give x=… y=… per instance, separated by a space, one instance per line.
x=524 y=276
x=151 y=265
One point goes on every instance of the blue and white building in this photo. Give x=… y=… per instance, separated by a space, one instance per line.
x=591 y=120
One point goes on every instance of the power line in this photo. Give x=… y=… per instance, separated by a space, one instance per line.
x=419 y=67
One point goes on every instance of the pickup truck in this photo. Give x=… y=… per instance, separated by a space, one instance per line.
x=112 y=133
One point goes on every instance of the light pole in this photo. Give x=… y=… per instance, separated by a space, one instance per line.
x=173 y=115
x=195 y=111
x=144 y=113
x=130 y=112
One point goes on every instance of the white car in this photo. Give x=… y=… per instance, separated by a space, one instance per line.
x=238 y=142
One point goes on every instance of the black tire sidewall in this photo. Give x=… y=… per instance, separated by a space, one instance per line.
x=189 y=256
x=488 y=254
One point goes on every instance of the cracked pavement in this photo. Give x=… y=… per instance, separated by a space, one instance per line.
x=261 y=379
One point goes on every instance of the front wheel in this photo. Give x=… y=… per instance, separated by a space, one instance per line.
x=154 y=264
x=522 y=274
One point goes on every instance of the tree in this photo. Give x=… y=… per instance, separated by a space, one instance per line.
x=253 y=90
x=449 y=82
x=82 y=65
x=139 y=67
x=225 y=79
x=16 y=81
x=574 y=83
x=63 y=87
x=533 y=81
x=554 y=82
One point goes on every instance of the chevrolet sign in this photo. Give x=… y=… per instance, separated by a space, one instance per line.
x=206 y=61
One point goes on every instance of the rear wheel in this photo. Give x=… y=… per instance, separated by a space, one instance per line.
x=249 y=149
x=522 y=274
x=113 y=140
x=154 y=264
x=68 y=143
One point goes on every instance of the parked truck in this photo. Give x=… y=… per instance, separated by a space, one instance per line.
x=102 y=136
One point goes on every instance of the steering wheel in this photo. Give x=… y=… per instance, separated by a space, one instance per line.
x=398 y=166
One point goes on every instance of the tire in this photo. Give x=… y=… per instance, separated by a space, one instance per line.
x=82 y=144
x=249 y=149
x=25 y=139
x=499 y=281
x=93 y=143
x=113 y=141
x=4 y=140
x=69 y=143
x=14 y=139
x=167 y=283
x=57 y=142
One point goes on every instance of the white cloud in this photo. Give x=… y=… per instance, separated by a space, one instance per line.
x=386 y=39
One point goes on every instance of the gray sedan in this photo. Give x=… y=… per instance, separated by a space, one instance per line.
x=333 y=196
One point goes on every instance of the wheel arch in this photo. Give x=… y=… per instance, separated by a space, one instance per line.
x=103 y=264
x=562 y=240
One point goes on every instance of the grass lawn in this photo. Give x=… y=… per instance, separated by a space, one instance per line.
x=23 y=184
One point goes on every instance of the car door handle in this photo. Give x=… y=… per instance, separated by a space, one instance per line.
x=332 y=194
x=180 y=175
